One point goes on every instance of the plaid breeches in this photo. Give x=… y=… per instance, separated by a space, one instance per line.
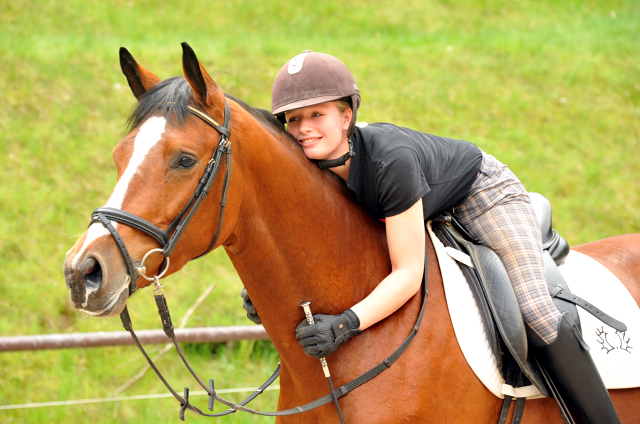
x=499 y=214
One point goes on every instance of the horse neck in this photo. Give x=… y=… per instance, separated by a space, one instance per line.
x=298 y=236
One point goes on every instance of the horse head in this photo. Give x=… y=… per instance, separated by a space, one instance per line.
x=160 y=163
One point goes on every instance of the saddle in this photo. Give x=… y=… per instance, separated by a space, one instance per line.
x=496 y=300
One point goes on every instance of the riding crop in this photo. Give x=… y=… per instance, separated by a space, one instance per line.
x=323 y=361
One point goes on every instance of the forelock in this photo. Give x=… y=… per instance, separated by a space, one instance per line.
x=170 y=98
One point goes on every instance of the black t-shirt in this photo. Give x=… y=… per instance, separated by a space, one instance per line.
x=396 y=166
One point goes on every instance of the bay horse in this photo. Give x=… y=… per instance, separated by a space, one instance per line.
x=293 y=234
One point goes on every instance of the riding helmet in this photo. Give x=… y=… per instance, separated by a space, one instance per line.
x=311 y=78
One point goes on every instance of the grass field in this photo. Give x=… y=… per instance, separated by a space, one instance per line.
x=550 y=88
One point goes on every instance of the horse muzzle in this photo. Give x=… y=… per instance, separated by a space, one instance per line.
x=95 y=287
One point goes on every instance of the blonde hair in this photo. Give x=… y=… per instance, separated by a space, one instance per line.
x=342 y=105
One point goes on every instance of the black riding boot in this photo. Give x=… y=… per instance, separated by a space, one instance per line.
x=573 y=373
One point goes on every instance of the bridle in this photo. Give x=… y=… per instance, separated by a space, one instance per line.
x=168 y=240
x=170 y=237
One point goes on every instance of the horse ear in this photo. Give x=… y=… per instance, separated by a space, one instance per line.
x=203 y=86
x=140 y=80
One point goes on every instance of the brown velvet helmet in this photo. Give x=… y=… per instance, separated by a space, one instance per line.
x=311 y=78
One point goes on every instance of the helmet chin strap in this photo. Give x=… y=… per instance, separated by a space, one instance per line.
x=341 y=161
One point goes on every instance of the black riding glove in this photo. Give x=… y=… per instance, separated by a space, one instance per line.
x=252 y=314
x=328 y=333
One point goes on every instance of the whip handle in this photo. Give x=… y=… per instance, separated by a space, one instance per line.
x=310 y=321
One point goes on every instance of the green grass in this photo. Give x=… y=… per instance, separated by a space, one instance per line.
x=82 y=374
x=550 y=88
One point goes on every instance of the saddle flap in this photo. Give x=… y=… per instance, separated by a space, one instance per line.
x=502 y=299
x=493 y=281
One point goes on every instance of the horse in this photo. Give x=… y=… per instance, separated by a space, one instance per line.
x=293 y=234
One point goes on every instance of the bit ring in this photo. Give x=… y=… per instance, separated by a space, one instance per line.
x=141 y=270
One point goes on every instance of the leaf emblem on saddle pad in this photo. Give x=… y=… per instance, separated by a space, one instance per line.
x=615 y=341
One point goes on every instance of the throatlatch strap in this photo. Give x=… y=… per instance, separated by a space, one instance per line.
x=223 y=200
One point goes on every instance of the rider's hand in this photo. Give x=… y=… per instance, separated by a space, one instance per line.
x=327 y=333
x=252 y=314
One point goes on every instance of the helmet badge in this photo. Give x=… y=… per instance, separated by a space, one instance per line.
x=295 y=64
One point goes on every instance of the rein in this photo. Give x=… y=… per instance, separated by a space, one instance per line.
x=167 y=325
x=168 y=242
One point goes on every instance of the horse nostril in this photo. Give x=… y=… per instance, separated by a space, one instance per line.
x=92 y=273
x=94 y=278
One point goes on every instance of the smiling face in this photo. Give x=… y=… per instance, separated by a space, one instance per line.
x=320 y=129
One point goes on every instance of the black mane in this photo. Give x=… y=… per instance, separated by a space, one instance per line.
x=173 y=96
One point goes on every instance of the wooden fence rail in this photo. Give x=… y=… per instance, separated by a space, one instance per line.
x=119 y=338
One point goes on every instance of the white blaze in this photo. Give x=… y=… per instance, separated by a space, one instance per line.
x=149 y=135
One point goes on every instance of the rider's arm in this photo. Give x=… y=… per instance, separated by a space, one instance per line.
x=406 y=240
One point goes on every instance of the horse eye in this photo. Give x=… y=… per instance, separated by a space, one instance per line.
x=186 y=162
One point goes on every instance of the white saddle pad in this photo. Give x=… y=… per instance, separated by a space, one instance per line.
x=617 y=355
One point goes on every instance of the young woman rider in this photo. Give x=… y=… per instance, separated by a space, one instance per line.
x=403 y=177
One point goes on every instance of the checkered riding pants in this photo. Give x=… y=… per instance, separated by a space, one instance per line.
x=499 y=214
